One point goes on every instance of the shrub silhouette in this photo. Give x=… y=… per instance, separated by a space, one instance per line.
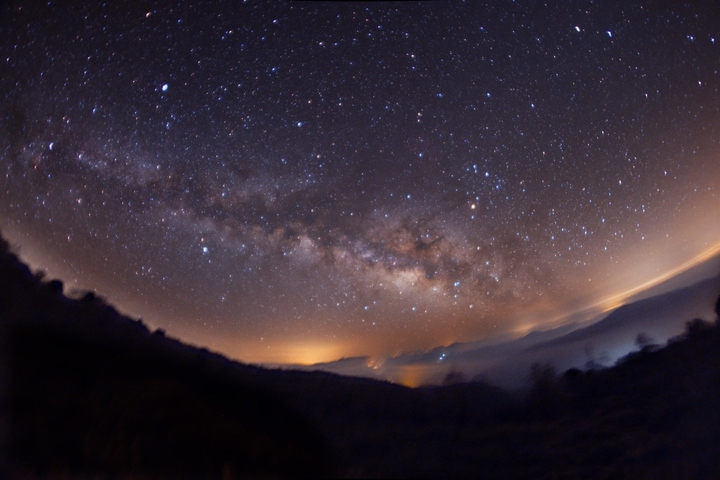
x=454 y=377
x=56 y=286
x=696 y=327
x=645 y=343
x=545 y=394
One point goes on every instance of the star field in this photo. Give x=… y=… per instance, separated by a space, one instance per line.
x=300 y=181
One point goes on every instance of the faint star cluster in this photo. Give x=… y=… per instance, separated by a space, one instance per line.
x=358 y=178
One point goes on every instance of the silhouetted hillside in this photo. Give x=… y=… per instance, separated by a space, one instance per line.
x=639 y=315
x=94 y=392
x=87 y=392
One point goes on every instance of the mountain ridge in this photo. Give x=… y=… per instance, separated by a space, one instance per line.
x=89 y=393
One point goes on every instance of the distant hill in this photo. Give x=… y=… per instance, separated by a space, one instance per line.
x=657 y=316
x=90 y=393
x=506 y=361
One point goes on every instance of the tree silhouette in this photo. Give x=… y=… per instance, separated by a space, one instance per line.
x=454 y=377
x=717 y=310
x=642 y=340
x=542 y=376
x=645 y=342
x=56 y=286
x=696 y=326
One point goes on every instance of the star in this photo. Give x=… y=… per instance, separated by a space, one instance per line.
x=297 y=173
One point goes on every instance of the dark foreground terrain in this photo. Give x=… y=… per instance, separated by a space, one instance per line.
x=88 y=393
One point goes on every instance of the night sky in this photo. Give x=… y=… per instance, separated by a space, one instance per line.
x=301 y=181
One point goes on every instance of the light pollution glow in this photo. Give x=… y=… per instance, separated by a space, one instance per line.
x=300 y=182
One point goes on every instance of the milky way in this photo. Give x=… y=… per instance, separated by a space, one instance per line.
x=298 y=181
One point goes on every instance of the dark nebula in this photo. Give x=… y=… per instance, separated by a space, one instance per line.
x=300 y=181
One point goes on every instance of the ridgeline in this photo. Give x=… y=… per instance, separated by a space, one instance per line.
x=89 y=393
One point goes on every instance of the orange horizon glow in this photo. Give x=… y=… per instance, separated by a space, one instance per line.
x=617 y=300
x=306 y=354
